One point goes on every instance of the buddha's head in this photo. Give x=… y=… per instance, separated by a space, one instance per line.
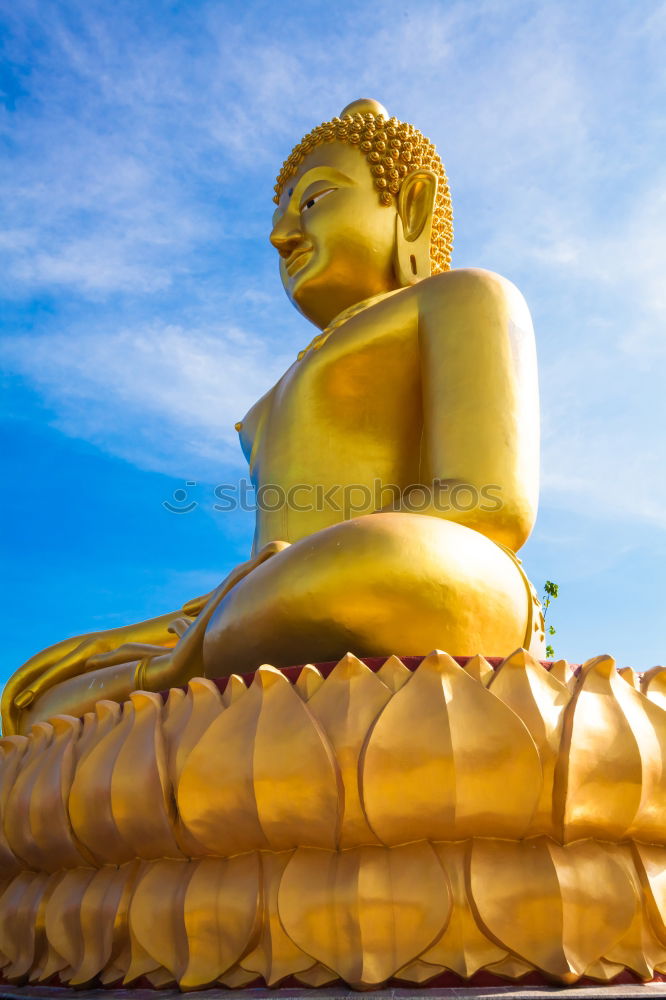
x=363 y=208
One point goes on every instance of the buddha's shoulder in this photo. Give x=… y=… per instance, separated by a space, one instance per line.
x=472 y=289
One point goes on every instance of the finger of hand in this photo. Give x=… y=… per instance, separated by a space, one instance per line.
x=126 y=653
x=196 y=605
x=69 y=666
x=179 y=626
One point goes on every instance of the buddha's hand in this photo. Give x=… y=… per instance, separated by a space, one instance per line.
x=57 y=666
x=159 y=670
x=72 y=658
x=196 y=605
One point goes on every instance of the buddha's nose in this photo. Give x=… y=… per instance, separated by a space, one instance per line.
x=286 y=235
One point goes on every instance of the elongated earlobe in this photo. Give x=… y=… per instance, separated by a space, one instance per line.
x=416 y=202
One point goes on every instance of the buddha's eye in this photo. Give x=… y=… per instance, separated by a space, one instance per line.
x=314 y=198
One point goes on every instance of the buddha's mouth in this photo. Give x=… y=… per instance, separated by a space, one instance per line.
x=297 y=259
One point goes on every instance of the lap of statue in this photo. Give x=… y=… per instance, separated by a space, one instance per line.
x=374 y=585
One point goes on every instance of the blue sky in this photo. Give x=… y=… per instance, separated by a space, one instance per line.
x=142 y=310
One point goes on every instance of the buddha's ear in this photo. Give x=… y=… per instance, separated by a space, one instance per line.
x=416 y=203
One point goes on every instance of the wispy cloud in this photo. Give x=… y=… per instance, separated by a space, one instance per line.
x=163 y=397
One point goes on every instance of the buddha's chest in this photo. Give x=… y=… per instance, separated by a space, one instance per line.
x=349 y=408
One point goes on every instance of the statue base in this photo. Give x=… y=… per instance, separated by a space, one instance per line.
x=613 y=992
x=406 y=821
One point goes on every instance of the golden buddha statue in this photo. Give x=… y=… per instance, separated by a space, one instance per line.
x=415 y=410
x=387 y=818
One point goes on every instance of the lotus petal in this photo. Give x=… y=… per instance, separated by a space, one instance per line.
x=95 y=726
x=160 y=979
x=653 y=685
x=188 y=714
x=559 y=908
x=52 y=844
x=309 y=680
x=638 y=949
x=539 y=700
x=90 y=809
x=650 y=863
x=235 y=688
x=175 y=715
x=561 y=671
x=236 y=978
x=63 y=921
x=120 y=811
x=479 y=668
x=603 y=971
x=599 y=772
x=317 y=976
x=222 y=910
x=345 y=706
x=276 y=954
x=629 y=675
x=12 y=749
x=16 y=817
x=394 y=673
x=21 y=923
x=142 y=798
x=430 y=770
x=608 y=780
x=511 y=968
x=184 y=727
x=418 y=972
x=365 y=912
x=47 y=960
x=103 y=921
x=262 y=776
x=156 y=920
x=463 y=947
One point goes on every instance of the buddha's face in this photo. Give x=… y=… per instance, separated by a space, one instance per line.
x=335 y=240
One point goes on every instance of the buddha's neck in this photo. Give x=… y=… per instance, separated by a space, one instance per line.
x=342 y=317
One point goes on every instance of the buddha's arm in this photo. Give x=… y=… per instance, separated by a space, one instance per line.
x=68 y=657
x=480 y=400
x=162 y=649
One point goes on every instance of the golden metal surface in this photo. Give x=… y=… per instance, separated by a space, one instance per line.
x=463 y=948
x=539 y=700
x=262 y=758
x=404 y=443
x=363 y=912
x=454 y=775
x=361 y=826
x=559 y=908
x=346 y=707
x=616 y=742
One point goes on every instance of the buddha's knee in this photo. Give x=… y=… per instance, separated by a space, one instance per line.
x=393 y=582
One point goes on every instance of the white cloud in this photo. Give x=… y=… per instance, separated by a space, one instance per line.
x=162 y=396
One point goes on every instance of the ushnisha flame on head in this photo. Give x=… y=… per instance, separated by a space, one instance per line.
x=393 y=150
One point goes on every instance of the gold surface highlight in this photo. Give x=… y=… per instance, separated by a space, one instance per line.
x=366 y=826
